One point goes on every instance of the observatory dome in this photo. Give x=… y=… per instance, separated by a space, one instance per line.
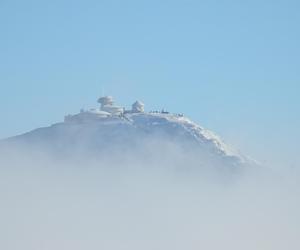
x=138 y=107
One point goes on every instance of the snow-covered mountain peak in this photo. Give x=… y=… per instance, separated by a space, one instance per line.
x=112 y=130
x=109 y=114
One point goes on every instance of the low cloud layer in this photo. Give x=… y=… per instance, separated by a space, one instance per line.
x=47 y=203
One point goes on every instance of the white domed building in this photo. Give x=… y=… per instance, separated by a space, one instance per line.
x=138 y=107
x=107 y=105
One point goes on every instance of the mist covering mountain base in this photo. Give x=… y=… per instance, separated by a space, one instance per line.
x=145 y=139
x=140 y=181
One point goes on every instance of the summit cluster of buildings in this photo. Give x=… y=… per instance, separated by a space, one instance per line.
x=107 y=109
x=107 y=105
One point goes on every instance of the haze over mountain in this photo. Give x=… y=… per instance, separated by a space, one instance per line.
x=130 y=179
x=112 y=134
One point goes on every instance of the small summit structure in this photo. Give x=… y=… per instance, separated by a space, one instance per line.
x=107 y=109
x=138 y=107
x=107 y=105
x=105 y=100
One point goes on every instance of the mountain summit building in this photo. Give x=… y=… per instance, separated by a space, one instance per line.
x=107 y=109
x=107 y=105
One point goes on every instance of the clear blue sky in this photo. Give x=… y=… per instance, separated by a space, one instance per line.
x=232 y=66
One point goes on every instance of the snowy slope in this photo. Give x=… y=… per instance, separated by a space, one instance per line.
x=134 y=136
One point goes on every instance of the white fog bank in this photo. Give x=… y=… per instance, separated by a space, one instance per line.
x=47 y=204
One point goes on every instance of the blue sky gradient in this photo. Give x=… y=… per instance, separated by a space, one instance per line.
x=232 y=66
